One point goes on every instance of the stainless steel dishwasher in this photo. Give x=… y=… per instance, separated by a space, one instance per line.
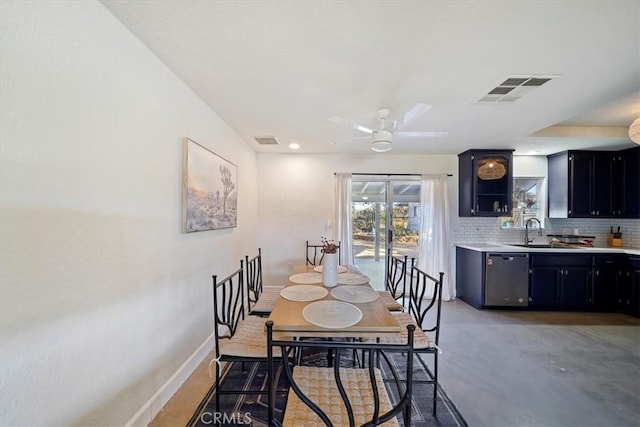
x=506 y=279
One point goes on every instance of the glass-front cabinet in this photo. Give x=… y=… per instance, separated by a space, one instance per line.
x=485 y=182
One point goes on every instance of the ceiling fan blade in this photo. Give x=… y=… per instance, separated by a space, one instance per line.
x=357 y=139
x=411 y=115
x=349 y=123
x=422 y=133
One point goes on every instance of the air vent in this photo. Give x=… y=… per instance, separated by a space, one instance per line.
x=513 y=88
x=266 y=140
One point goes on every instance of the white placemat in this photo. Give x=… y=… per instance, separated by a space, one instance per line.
x=304 y=292
x=306 y=278
x=356 y=294
x=352 y=279
x=332 y=314
x=341 y=269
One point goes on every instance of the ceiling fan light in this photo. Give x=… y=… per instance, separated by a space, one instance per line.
x=381 y=146
x=381 y=141
x=634 y=131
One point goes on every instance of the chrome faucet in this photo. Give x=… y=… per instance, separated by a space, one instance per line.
x=526 y=230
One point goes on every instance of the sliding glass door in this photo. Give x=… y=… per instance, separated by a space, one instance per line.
x=386 y=215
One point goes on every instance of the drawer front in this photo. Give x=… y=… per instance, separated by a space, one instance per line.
x=560 y=260
x=607 y=260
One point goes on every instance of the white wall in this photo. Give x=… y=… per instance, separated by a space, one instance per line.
x=296 y=196
x=102 y=297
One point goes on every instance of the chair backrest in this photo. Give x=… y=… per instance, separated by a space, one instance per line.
x=396 y=281
x=425 y=299
x=314 y=254
x=253 y=278
x=344 y=350
x=228 y=305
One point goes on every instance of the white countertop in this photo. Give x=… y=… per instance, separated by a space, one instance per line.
x=504 y=247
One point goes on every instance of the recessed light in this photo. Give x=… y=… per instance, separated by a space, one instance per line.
x=294 y=145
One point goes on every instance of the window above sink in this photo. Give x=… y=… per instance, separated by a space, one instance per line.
x=528 y=202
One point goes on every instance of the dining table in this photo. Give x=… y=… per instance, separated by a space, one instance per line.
x=351 y=309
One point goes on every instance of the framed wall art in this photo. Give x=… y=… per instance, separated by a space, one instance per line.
x=210 y=190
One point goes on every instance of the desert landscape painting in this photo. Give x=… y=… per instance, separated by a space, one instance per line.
x=211 y=193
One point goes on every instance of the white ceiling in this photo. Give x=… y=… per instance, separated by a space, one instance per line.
x=282 y=68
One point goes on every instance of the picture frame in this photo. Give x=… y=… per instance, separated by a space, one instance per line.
x=210 y=190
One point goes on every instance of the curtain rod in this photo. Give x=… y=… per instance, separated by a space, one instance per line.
x=391 y=174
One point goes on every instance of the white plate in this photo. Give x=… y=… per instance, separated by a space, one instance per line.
x=306 y=278
x=352 y=279
x=304 y=292
x=357 y=294
x=332 y=314
x=341 y=269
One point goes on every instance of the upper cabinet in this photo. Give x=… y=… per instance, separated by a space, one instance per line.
x=589 y=184
x=485 y=182
x=627 y=200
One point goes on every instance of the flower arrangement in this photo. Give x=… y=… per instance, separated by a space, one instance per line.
x=328 y=246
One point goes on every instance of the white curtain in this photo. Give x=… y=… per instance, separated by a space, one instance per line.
x=342 y=229
x=433 y=252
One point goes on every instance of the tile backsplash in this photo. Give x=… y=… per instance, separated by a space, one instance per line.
x=475 y=230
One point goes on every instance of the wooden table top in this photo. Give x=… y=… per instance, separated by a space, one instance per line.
x=287 y=316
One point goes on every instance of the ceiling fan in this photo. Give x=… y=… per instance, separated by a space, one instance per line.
x=382 y=136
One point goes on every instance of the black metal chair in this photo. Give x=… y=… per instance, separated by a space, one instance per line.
x=338 y=395
x=314 y=254
x=244 y=335
x=260 y=300
x=425 y=304
x=395 y=282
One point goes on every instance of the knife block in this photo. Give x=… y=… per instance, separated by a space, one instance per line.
x=614 y=241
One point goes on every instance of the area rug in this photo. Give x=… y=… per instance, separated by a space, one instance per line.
x=243 y=410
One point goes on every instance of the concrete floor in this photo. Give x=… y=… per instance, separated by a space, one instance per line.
x=506 y=368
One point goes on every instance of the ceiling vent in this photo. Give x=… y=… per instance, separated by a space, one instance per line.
x=513 y=88
x=266 y=140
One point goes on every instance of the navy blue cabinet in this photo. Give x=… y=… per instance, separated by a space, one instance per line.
x=485 y=179
x=470 y=270
x=581 y=184
x=560 y=281
x=546 y=285
x=627 y=183
x=591 y=184
x=606 y=282
x=628 y=289
x=605 y=277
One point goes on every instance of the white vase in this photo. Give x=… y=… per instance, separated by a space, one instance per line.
x=330 y=270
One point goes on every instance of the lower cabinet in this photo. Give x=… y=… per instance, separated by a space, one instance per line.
x=560 y=281
x=607 y=271
x=628 y=288
x=563 y=281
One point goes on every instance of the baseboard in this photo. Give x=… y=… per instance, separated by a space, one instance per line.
x=150 y=409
